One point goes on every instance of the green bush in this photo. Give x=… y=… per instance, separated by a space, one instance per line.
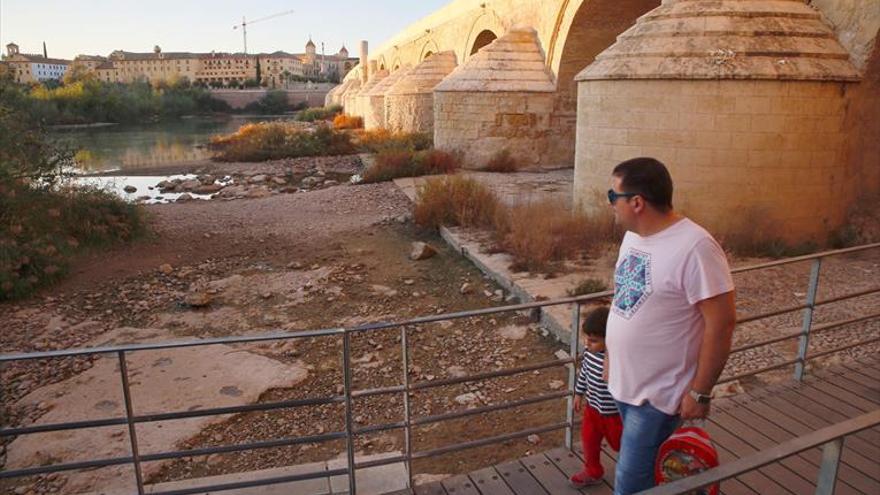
x=272 y=103
x=43 y=220
x=318 y=113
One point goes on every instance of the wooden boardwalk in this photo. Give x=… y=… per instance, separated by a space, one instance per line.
x=739 y=426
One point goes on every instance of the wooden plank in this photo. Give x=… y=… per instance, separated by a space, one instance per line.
x=855 y=374
x=489 y=482
x=567 y=462
x=733 y=448
x=518 y=478
x=754 y=433
x=460 y=485
x=856 y=478
x=750 y=414
x=869 y=393
x=548 y=475
x=435 y=488
x=814 y=400
x=815 y=417
x=843 y=395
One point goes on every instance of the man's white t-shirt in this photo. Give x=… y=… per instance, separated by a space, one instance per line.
x=655 y=328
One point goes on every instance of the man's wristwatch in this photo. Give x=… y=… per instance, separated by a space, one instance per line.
x=700 y=398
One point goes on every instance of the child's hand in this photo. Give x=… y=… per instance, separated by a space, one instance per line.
x=578 y=403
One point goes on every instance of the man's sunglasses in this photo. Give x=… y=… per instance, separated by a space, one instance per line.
x=613 y=195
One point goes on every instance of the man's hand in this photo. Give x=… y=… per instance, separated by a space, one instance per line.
x=578 y=403
x=691 y=409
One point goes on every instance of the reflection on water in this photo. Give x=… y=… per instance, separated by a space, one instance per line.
x=130 y=147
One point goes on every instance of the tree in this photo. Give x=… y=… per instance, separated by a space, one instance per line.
x=259 y=71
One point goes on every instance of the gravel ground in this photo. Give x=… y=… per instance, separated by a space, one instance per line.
x=357 y=238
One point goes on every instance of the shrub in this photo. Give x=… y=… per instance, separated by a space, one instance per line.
x=454 y=200
x=277 y=140
x=318 y=113
x=343 y=121
x=542 y=233
x=272 y=103
x=380 y=140
x=503 y=162
x=588 y=286
x=393 y=164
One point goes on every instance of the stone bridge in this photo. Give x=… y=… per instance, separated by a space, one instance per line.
x=764 y=107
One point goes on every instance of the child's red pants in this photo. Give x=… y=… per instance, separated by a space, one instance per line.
x=595 y=427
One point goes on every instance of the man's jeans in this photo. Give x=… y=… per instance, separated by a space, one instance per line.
x=645 y=428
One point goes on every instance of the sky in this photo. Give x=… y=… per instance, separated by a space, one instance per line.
x=97 y=27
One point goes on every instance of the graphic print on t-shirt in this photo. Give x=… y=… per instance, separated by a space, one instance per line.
x=632 y=283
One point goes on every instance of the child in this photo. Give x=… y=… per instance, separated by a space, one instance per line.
x=601 y=417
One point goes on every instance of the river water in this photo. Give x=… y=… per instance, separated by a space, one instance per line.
x=127 y=148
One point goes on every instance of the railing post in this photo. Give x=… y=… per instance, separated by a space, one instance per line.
x=804 y=343
x=349 y=435
x=407 y=432
x=132 y=433
x=828 y=469
x=572 y=376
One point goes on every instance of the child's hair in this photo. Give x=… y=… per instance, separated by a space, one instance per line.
x=595 y=321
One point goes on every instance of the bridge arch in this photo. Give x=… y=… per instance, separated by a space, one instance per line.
x=585 y=28
x=428 y=49
x=486 y=28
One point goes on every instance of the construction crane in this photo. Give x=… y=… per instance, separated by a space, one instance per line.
x=244 y=24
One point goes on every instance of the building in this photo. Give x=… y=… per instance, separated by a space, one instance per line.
x=30 y=68
x=88 y=62
x=219 y=69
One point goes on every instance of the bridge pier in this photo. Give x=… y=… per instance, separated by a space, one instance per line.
x=755 y=127
x=409 y=103
x=501 y=98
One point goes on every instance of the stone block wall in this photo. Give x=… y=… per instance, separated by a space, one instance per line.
x=743 y=154
x=410 y=113
x=481 y=124
x=240 y=98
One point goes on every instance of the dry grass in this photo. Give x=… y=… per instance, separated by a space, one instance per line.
x=381 y=140
x=502 y=162
x=277 y=140
x=455 y=201
x=393 y=164
x=588 y=286
x=540 y=234
x=343 y=121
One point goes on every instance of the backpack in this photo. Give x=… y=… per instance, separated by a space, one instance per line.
x=686 y=452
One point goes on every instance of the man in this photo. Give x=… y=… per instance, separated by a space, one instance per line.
x=671 y=321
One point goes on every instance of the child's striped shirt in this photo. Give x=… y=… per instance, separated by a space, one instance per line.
x=591 y=384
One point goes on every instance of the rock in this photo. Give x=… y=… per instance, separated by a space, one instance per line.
x=330 y=183
x=130 y=189
x=534 y=439
x=206 y=179
x=465 y=288
x=424 y=478
x=198 y=299
x=257 y=179
x=208 y=189
x=189 y=185
x=166 y=269
x=259 y=192
x=184 y=198
x=467 y=399
x=279 y=181
x=143 y=198
x=456 y=372
x=406 y=217
x=409 y=281
x=560 y=354
x=556 y=384
x=421 y=251
x=513 y=332
x=214 y=459
x=728 y=389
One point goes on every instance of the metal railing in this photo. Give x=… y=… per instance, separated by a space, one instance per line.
x=131 y=419
x=831 y=439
